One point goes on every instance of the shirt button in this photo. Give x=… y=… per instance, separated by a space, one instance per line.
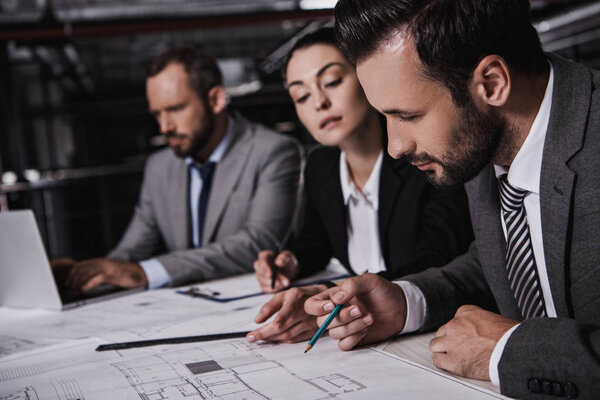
x=533 y=384
x=557 y=389
x=571 y=390
x=546 y=386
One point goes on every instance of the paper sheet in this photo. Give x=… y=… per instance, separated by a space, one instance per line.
x=240 y=287
x=232 y=369
x=415 y=348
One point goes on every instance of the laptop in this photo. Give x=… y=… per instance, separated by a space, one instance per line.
x=26 y=278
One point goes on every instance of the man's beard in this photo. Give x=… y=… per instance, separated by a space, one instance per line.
x=473 y=144
x=197 y=140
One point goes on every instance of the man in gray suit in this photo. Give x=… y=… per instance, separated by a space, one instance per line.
x=224 y=190
x=469 y=96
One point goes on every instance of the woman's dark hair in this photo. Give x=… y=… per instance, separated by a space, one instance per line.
x=320 y=36
x=451 y=36
x=202 y=70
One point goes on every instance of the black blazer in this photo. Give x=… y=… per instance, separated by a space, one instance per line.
x=419 y=226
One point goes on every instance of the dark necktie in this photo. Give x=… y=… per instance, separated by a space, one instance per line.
x=206 y=172
x=520 y=261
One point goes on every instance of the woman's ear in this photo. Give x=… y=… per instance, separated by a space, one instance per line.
x=217 y=99
x=491 y=81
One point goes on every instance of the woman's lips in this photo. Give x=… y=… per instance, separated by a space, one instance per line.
x=329 y=122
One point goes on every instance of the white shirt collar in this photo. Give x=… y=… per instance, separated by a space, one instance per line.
x=371 y=189
x=526 y=168
x=217 y=153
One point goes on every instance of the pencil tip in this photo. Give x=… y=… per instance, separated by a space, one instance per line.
x=307 y=348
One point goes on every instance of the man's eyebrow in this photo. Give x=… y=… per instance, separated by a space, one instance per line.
x=392 y=111
x=318 y=74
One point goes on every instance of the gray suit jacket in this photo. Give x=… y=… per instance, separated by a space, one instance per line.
x=546 y=354
x=251 y=205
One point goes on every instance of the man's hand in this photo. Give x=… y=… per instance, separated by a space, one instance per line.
x=465 y=344
x=61 y=267
x=287 y=269
x=376 y=310
x=292 y=323
x=88 y=274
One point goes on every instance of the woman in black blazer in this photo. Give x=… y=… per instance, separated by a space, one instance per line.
x=364 y=208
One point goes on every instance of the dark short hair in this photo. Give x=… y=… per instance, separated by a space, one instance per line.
x=320 y=36
x=202 y=69
x=451 y=36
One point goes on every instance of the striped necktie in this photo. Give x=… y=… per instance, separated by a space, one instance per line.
x=520 y=262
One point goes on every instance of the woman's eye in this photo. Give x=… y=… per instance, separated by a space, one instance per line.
x=302 y=99
x=333 y=83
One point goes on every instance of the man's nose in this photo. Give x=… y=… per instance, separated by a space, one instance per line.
x=165 y=123
x=399 y=143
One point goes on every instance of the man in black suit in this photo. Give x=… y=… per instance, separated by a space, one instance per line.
x=470 y=97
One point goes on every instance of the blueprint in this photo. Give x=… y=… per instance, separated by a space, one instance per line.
x=229 y=370
x=11 y=345
x=144 y=315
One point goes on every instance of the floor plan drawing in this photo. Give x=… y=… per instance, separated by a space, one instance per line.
x=235 y=370
x=227 y=370
x=231 y=370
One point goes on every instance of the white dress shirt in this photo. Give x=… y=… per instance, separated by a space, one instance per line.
x=155 y=272
x=362 y=227
x=524 y=173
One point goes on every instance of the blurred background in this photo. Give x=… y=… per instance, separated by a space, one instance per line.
x=74 y=126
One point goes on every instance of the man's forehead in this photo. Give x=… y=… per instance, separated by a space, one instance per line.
x=386 y=67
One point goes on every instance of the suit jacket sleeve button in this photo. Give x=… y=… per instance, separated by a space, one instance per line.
x=533 y=384
x=547 y=386
x=571 y=390
x=557 y=389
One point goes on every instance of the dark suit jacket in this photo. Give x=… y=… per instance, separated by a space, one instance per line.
x=419 y=226
x=560 y=353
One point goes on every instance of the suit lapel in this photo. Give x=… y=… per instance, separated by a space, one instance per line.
x=227 y=176
x=390 y=182
x=179 y=212
x=328 y=188
x=564 y=138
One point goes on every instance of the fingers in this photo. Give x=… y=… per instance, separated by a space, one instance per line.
x=346 y=315
x=269 y=308
x=264 y=274
x=85 y=275
x=289 y=306
x=349 y=342
x=438 y=344
x=439 y=347
x=444 y=361
x=262 y=270
x=94 y=281
x=325 y=301
x=351 y=328
x=303 y=330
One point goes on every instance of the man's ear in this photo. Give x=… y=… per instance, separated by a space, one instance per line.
x=217 y=99
x=491 y=81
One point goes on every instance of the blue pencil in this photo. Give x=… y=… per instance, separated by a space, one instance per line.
x=323 y=327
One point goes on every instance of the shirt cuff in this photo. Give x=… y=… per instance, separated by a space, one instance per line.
x=156 y=273
x=415 y=306
x=497 y=354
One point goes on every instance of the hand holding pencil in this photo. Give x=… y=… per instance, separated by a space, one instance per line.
x=275 y=271
x=375 y=309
